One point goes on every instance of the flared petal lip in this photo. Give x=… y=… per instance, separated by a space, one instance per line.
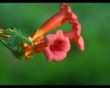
x=59 y=52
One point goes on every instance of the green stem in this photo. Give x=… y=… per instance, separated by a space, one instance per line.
x=4 y=43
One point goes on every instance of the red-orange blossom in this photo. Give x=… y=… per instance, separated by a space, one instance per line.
x=52 y=50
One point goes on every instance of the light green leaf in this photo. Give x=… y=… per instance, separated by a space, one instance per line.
x=17 y=31
x=25 y=39
x=8 y=32
x=14 y=40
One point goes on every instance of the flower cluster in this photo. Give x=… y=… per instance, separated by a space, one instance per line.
x=55 y=46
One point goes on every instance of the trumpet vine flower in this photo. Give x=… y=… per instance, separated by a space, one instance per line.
x=55 y=46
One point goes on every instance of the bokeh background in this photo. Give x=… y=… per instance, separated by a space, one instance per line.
x=90 y=67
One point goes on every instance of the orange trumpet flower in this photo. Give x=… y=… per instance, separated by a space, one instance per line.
x=51 y=51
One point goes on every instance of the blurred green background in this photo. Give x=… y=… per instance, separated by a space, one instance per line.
x=90 y=67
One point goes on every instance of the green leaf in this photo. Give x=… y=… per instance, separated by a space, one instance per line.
x=25 y=39
x=17 y=31
x=8 y=32
x=14 y=40
x=18 y=55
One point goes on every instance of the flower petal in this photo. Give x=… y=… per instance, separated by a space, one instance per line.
x=57 y=47
x=80 y=43
x=49 y=55
x=59 y=55
x=77 y=27
x=59 y=35
x=64 y=6
x=50 y=38
x=71 y=35
x=66 y=45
